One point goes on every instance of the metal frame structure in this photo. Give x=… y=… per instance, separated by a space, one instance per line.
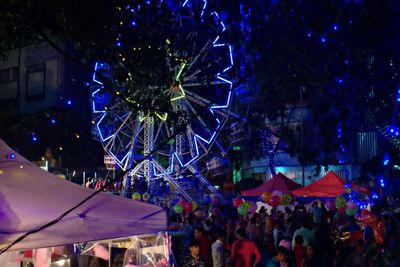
x=128 y=138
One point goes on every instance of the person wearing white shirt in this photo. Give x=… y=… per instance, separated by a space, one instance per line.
x=218 y=251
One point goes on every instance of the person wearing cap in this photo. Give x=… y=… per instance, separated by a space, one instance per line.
x=243 y=251
x=194 y=259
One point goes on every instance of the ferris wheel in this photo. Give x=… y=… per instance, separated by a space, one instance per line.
x=191 y=105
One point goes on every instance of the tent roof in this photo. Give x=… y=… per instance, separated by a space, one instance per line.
x=31 y=197
x=278 y=182
x=331 y=185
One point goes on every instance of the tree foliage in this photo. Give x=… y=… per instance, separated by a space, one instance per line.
x=340 y=52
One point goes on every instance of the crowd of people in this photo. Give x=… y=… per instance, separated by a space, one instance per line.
x=293 y=237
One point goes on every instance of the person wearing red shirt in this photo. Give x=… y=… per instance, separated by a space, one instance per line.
x=299 y=250
x=204 y=245
x=243 y=250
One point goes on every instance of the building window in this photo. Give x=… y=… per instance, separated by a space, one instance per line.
x=9 y=75
x=35 y=82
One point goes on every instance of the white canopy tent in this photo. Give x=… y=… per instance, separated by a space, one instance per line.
x=31 y=197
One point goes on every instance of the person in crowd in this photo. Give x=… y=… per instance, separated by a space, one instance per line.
x=279 y=257
x=194 y=259
x=277 y=234
x=243 y=251
x=204 y=245
x=218 y=250
x=357 y=258
x=188 y=228
x=353 y=226
x=316 y=213
x=299 y=250
x=288 y=214
x=252 y=230
x=310 y=259
x=342 y=221
x=308 y=235
x=301 y=212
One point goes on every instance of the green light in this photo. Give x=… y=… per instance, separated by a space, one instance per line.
x=237 y=175
x=236 y=148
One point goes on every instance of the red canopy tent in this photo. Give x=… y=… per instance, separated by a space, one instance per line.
x=331 y=185
x=278 y=182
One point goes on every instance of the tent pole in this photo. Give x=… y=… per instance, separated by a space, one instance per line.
x=109 y=253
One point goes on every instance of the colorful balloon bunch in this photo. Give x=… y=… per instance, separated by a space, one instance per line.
x=137 y=196
x=244 y=207
x=276 y=198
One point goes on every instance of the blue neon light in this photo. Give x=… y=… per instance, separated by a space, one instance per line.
x=97 y=98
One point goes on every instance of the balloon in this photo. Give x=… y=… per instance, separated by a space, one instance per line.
x=237 y=202
x=351 y=212
x=194 y=205
x=247 y=203
x=178 y=208
x=136 y=196
x=253 y=207
x=330 y=204
x=207 y=200
x=351 y=205
x=274 y=201
x=368 y=217
x=340 y=202
x=342 y=210
x=242 y=210
x=182 y=202
x=277 y=193
x=187 y=207
x=351 y=208
x=286 y=199
x=146 y=196
x=265 y=196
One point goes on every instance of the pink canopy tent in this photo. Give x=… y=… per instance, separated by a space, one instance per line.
x=31 y=197
x=278 y=182
x=331 y=185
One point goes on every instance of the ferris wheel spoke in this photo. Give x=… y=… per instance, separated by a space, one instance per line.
x=205 y=103
x=160 y=125
x=197 y=116
x=204 y=50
